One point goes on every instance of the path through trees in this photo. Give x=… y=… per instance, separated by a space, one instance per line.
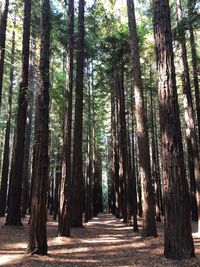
x=104 y=241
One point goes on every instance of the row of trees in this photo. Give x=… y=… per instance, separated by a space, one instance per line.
x=93 y=101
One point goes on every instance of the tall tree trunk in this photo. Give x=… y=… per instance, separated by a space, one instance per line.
x=6 y=155
x=14 y=208
x=154 y=162
x=123 y=142
x=133 y=169
x=119 y=160
x=113 y=155
x=87 y=187
x=149 y=223
x=57 y=185
x=158 y=172
x=90 y=160
x=27 y=143
x=37 y=232
x=3 y=26
x=65 y=193
x=178 y=236
x=194 y=62
x=191 y=137
x=77 y=174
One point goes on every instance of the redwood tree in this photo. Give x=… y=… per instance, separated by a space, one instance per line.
x=3 y=25
x=5 y=167
x=37 y=233
x=178 y=236
x=149 y=223
x=123 y=146
x=191 y=5
x=14 y=205
x=77 y=174
x=65 y=206
x=191 y=136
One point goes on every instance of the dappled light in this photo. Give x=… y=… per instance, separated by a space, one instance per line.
x=104 y=241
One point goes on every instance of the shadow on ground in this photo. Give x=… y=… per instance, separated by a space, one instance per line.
x=104 y=241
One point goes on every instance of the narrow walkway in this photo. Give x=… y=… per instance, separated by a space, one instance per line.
x=104 y=241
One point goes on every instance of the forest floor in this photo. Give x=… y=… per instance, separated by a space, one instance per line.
x=104 y=241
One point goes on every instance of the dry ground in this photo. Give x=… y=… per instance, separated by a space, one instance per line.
x=105 y=241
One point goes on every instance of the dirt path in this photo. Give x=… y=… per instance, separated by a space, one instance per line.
x=105 y=241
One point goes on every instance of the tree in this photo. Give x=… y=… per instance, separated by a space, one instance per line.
x=5 y=167
x=123 y=147
x=28 y=131
x=65 y=205
x=3 y=26
x=14 y=205
x=149 y=224
x=37 y=232
x=191 y=5
x=77 y=172
x=178 y=237
x=191 y=137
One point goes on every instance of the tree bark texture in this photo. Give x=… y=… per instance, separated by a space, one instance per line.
x=77 y=173
x=149 y=223
x=3 y=26
x=178 y=236
x=6 y=155
x=14 y=208
x=191 y=137
x=65 y=205
x=37 y=232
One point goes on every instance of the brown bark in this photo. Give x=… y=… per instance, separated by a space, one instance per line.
x=37 y=232
x=191 y=137
x=90 y=156
x=194 y=62
x=149 y=224
x=3 y=26
x=114 y=164
x=57 y=180
x=133 y=169
x=178 y=236
x=65 y=193
x=77 y=174
x=14 y=208
x=6 y=155
x=87 y=188
x=123 y=142
x=154 y=161
x=27 y=143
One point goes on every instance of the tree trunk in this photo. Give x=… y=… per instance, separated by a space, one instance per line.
x=57 y=185
x=178 y=236
x=6 y=155
x=14 y=208
x=3 y=26
x=37 y=232
x=114 y=175
x=149 y=223
x=123 y=142
x=27 y=143
x=194 y=62
x=77 y=175
x=133 y=169
x=90 y=160
x=154 y=168
x=65 y=193
x=191 y=137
